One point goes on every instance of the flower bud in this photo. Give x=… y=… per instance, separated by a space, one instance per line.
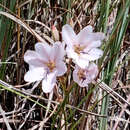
x=55 y=33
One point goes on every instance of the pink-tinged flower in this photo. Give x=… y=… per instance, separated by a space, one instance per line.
x=45 y=63
x=55 y=33
x=85 y=76
x=82 y=47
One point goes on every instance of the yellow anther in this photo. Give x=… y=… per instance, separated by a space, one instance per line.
x=78 y=49
x=51 y=65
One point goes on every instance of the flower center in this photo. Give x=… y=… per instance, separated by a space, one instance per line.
x=78 y=49
x=51 y=65
x=81 y=74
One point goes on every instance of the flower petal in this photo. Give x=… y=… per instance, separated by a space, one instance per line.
x=97 y=36
x=89 y=72
x=88 y=28
x=70 y=52
x=83 y=33
x=61 y=68
x=29 y=55
x=68 y=35
x=94 y=54
x=76 y=78
x=95 y=44
x=57 y=52
x=92 y=71
x=85 y=36
x=91 y=45
x=35 y=74
x=49 y=82
x=37 y=63
x=82 y=61
x=44 y=50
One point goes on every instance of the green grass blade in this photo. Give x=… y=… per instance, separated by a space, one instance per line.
x=114 y=49
x=5 y=37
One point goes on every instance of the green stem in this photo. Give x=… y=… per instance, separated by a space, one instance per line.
x=104 y=109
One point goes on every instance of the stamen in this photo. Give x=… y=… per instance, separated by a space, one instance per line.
x=51 y=65
x=78 y=49
x=81 y=74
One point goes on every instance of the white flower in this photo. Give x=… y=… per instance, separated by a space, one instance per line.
x=45 y=63
x=85 y=76
x=82 y=47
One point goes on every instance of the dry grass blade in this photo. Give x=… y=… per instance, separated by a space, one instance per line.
x=40 y=23
x=20 y=22
x=5 y=119
x=100 y=105
x=111 y=91
x=47 y=118
x=121 y=113
x=55 y=102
